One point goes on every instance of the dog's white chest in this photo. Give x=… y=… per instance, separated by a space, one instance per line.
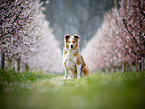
x=70 y=60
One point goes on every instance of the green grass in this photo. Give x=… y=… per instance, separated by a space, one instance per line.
x=36 y=90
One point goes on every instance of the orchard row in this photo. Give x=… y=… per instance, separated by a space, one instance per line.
x=120 y=42
x=25 y=39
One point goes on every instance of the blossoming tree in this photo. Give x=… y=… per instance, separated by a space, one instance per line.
x=120 y=42
x=23 y=33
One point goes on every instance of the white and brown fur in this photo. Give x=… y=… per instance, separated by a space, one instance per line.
x=74 y=64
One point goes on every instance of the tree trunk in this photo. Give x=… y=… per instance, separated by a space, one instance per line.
x=2 y=61
x=27 y=67
x=143 y=65
x=115 y=4
x=9 y=65
x=140 y=66
x=13 y=64
x=124 y=67
x=108 y=70
x=117 y=69
x=136 y=65
x=133 y=68
x=18 y=64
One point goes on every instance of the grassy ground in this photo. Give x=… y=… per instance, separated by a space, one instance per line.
x=44 y=91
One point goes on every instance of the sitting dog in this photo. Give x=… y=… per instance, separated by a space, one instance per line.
x=74 y=64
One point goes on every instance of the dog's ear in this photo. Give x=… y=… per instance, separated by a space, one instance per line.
x=66 y=36
x=76 y=36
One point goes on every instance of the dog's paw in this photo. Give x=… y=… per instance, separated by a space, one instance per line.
x=69 y=78
x=65 y=78
x=78 y=77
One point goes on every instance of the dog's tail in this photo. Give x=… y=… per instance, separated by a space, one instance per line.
x=86 y=70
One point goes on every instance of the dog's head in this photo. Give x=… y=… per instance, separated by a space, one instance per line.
x=71 y=42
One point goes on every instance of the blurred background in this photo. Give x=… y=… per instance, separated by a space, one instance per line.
x=112 y=34
x=76 y=17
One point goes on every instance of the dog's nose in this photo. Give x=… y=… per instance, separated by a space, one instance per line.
x=71 y=46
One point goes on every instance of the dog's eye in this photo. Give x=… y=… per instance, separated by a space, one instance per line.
x=66 y=41
x=73 y=41
x=69 y=41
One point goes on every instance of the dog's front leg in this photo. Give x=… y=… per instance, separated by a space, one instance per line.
x=66 y=74
x=78 y=71
x=66 y=71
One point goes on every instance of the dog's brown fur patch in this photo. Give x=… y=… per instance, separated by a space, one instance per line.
x=75 y=43
x=80 y=60
x=66 y=38
x=86 y=70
